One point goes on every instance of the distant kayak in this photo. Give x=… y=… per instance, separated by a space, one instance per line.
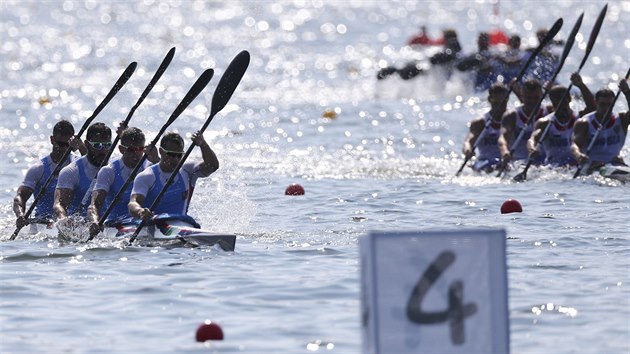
x=478 y=70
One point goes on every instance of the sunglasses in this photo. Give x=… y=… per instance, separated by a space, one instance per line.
x=100 y=145
x=62 y=144
x=172 y=153
x=133 y=148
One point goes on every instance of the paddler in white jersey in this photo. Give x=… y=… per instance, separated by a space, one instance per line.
x=515 y=122
x=75 y=179
x=111 y=178
x=62 y=138
x=557 y=143
x=612 y=136
x=487 y=128
x=149 y=182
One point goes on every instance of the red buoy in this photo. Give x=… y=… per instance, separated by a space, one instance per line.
x=511 y=206
x=294 y=189
x=209 y=330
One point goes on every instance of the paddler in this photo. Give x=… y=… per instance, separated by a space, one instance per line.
x=487 y=128
x=516 y=121
x=111 y=178
x=62 y=138
x=613 y=130
x=75 y=179
x=557 y=142
x=149 y=182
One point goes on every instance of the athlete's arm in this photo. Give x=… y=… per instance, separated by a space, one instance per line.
x=507 y=136
x=135 y=207
x=532 y=143
x=19 y=204
x=587 y=95
x=210 y=160
x=580 y=141
x=98 y=198
x=63 y=197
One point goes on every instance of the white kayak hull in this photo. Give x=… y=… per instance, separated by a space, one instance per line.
x=175 y=230
x=166 y=229
x=621 y=173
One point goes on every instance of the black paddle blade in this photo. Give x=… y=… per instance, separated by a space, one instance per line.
x=156 y=77
x=229 y=81
x=194 y=91
x=158 y=74
x=571 y=39
x=550 y=34
x=520 y=177
x=523 y=175
x=593 y=37
x=553 y=31
x=122 y=80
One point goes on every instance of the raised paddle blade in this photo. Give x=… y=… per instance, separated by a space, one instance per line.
x=594 y=33
x=571 y=39
x=156 y=77
x=550 y=34
x=194 y=91
x=117 y=86
x=229 y=81
x=227 y=85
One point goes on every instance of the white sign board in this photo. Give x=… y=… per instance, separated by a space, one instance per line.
x=434 y=292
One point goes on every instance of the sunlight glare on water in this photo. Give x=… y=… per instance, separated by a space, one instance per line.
x=371 y=155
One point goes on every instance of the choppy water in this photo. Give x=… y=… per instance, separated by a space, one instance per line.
x=385 y=163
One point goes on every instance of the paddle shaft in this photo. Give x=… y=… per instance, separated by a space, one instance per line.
x=117 y=86
x=589 y=47
x=607 y=116
x=194 y=91
x=222 y=94
x=550 y=34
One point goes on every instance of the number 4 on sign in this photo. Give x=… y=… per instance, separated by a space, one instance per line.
x=434 y=292
x=456 y=312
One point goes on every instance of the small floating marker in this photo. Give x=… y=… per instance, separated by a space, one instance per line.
x=44 y=100
x=330 y=113
x=209 y=330
x=511 y=206
x=294 y=189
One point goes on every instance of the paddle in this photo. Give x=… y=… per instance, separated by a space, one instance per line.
x=117 y=86
x=222 y=94
x=194 y=91
x=567 y=48
x=587 y=164
x=158 y=74
x=552 y=32
x=591 y=42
